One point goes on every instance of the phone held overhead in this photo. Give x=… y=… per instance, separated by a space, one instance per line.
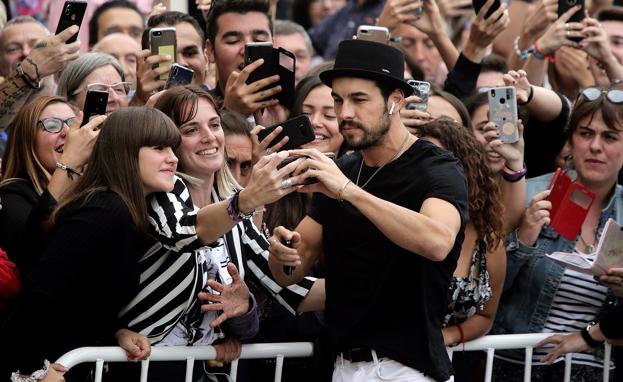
x=72 y=14
x=503 y=112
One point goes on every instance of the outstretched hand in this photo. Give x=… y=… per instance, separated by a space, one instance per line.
x=232 y=300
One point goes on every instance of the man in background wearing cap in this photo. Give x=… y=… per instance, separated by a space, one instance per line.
x=388 y=220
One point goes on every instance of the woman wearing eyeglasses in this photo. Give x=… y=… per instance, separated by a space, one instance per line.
x=540 y=295
x=45 y=154
x=95 y=71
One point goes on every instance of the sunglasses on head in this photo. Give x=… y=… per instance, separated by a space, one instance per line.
x=613 y=95
x=55 y=125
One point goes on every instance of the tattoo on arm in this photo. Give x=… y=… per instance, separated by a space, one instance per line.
x=12 y=97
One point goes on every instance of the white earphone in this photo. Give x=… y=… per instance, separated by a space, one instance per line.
x=391 y=109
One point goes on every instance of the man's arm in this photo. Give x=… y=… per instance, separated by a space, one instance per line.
x=429 y=233
x=14 y=93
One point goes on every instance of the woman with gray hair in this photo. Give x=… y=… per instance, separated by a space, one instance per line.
x=95 y=71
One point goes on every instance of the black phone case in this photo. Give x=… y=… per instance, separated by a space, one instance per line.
x=565 y=5
x=72 y=14
x=270 y=67
x=179 y=75
x=478 y=4
x=94 y=104
x=298 y=129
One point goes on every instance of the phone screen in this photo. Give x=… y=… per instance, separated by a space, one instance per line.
x=286 y=61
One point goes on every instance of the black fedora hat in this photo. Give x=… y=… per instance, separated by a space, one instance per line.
x=369 y=60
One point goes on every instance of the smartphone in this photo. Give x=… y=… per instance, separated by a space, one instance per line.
x=291 y=159
x=570 y=204
x=298 y=129
x=503 y=112
x=276 y=61
x=565 y=5
x=254 y=51
x=179 y=75
x=163 y=41
x=373 y=33
x=478 y=4
x=94 y=104
x=422 y=90
x=72 y=14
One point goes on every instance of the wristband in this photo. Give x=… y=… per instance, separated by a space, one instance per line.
x=26 y=78
x=70 y=170
x=233 y=210
x=513 y=176
x=538 y=54
x=530 y=95
x=586 y=336
x=523 y=54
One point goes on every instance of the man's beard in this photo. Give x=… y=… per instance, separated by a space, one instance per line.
x=372 y=136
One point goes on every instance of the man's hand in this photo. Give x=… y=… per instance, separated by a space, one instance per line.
x=430 y=21
x=331 y=181
x=232 y=299
x=51 y=54
x=398 y=11
x=147 y=77
x=247 y=99
x=136 y=346
x=571 y=60
x=596 y=42
x=281 y=253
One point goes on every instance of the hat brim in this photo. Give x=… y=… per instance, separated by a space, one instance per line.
x=328 y=76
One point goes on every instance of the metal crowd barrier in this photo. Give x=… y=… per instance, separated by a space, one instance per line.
x=279 y=351
x=517 y=341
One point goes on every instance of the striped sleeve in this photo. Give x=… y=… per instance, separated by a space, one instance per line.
x=256 y=260
x=172 y=218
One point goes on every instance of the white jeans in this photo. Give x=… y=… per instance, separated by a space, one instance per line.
x=378 y=370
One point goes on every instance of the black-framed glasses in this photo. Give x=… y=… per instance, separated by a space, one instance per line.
x=55 y=125
x=613 y=95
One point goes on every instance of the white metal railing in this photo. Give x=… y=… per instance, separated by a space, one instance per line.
x=99 y=355
x=279 y=351
x=518 y=341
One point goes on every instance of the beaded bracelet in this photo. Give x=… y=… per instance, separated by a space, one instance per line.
x=233 y=209
x=70 y=170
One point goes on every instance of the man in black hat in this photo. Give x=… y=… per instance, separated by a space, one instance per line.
x=388 y=220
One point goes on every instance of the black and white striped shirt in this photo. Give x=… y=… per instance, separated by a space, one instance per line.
x=172 y=273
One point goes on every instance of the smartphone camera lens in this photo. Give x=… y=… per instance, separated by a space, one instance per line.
x=157 y=33
x=502 y=101
x=492 y=92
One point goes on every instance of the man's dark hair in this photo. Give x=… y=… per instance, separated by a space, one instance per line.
x=234 y=123
x=94 y=22
x=610 y=14
x=173 y=18
x=494 y=63
x=235 y=6
x=385 y=88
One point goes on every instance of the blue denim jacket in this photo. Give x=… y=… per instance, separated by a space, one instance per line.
x=532 y=279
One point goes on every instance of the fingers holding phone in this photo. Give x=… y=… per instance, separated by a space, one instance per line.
x=261 y=148
x=248 y=98
x=282 y=254
x=148 y=73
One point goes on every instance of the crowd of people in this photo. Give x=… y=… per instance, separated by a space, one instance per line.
x=410 y=223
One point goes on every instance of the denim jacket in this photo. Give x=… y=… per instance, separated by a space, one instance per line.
x=532 y=279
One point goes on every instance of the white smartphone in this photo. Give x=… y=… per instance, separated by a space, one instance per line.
x=503 y=112
x=373 y=33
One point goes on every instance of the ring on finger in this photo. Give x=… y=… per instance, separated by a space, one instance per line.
x=269 y=151
x=286 y=183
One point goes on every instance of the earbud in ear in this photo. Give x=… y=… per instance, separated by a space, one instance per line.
x=391 y=109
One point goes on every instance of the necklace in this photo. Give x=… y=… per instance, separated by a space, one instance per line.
x=590 y=248
x=404 y=143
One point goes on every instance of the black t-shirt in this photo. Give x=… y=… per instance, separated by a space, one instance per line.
x=380 y=295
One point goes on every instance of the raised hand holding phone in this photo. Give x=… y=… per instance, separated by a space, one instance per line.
x=72 y=14
x=503 y=112
x=163 y=41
